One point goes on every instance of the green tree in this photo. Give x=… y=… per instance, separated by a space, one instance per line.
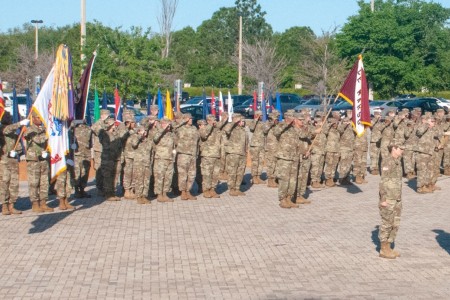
x=406 y=44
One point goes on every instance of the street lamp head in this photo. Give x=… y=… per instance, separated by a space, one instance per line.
x=37 y=21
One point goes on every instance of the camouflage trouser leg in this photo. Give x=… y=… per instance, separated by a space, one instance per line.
x=271 y=163
x=223 y=160
x=287 y=177
x=257 y=156
x=345 y=163
x=359 y=163
x=235 y=170
x=317 y=162
x=109 y=174
x=210 y=167
x=436 y=171
x=408 y=160
x=128 y=174
x=38 y=180
x=424 y=164
x=186 y=166
x=390 y=220
x=9 y=183
x=384 y=152
x=98 y=171
x=446 y=158
x=141 y=175
x=331 y=162
x=374 y=156
x=303 y=174
x=163 y=170
x=81 y=169
x=64 y=185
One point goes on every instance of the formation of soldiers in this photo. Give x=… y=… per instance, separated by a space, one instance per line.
x=154 y=157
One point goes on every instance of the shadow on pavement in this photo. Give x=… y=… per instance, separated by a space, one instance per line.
x=443 y=239
x=412 y=184
x=375 y=239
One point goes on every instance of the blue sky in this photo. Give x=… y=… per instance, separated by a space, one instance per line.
x=281 y=14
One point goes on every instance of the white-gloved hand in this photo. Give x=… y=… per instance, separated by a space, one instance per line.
x=24 y=122
x=44 y=154
x=12 y=153
x=70 y=162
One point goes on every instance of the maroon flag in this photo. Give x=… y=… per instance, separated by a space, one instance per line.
x=356 y=92
x=255 y=103
x=213 y=104
x=82 y=90
x=2 y=101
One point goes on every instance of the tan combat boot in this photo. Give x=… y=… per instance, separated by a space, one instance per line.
x=166 y=198
x=396 y=253
x=272 y=183
x=112 y=197
x=302 y=200
x=129 y=194
x=386 y=251
x=239 y=192
x=43 y=205
x=234 y=193
x=410 y=176
x=142 y=200
x=184 y=196
x=316 y=185
x=434 y=187
x=374 y=172
x=359 y=179
x=213 y=193
x=424 y=190
x=5 y=209
x=35 y=207
x=330 y=182
x=190 y=196
x=67 y=204
x=257 y=180
x=12 y=210
x=447 y=171
x=207 y=194
x=62 y=204
x=160 y=198
x=285 y=203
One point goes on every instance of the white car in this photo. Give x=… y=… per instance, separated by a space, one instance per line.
x=21 y=98
x=443 y=102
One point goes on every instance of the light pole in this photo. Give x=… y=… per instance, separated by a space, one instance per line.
x=83 y=29
x=36 y=22
x=240 y=56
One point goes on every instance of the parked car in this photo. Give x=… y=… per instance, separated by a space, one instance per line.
x=22 y=101
x=245 y=108
x=196 y=110
x=313 y=105
x=426 y=104
x=288 y=101
x=375 y=105
x=237 y=99
x=138 y=115
x=443 y=102
x=390 y=106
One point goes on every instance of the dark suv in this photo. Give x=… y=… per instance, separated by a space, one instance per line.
x=426 y=104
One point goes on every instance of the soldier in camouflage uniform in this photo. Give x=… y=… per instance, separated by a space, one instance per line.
x=424 y=154
x=390 y=204
x=409 y=155
x=97 y=152
x=9 y=172
x=177 y=123
x=346 y=146
x=442 y=126
x=82 y=155
x=164 y=157
x=142 y=161
x=37 y=164
x=332 y=151
x=360 y=157
x=271 y=146
x=257 y=143
x=236 y=150
x=187 y=151
x=387 y=135
x=210 y=136
x=446 y=157
x=154 y=110
x=318 y=153
x=305 y=131
x=129 y=151
x=223 y=155
x=375 y=141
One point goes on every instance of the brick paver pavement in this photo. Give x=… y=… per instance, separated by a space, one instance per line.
x=228 y=248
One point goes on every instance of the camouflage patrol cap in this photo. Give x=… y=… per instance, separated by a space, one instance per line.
x=105 y=112
x=237 y=117
x=389 y=118
x=305 y=111
x=428 y=113
x=211 y=117
x=417 y=109
x=224 y=114
x=440 y=110
x=154 y=107
x=299 y=116
x=109 y=122
x=129 y=118
x=288 y=115
x=406 y=110
x=201 y=122
x=187 y=116
x=349 y=111
x=152 y=118
x=333 y=121
x=377 y=112
x=166 y=120
x=177 y=115
x=258 y=113
x=291 y=111
x=273 y=116
x=276 y=112
x=34 y=113
x=401 y=113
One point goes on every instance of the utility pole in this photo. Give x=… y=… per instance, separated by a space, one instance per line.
x=83 y=29
x=372 y=5
x=240 y=57
x=36 y=35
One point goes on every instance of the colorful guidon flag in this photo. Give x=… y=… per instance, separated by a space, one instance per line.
x=2 y=101
x=169 y=110
x=355 y=91
x=230 y=107
x=118 y=111
x=220 y=105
